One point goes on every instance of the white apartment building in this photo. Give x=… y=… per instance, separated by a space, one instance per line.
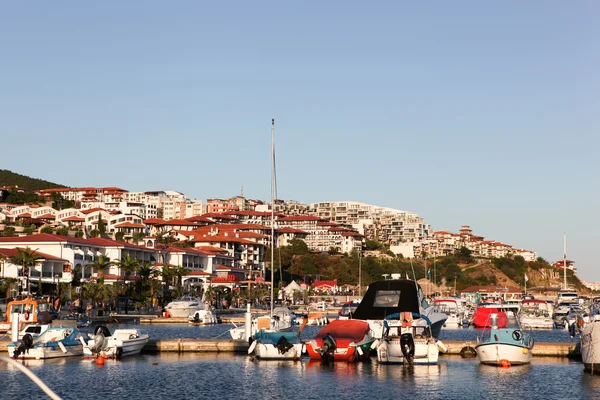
x=383 y=224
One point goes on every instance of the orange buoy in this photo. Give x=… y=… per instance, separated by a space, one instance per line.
x=99 y=361
x=504 y=363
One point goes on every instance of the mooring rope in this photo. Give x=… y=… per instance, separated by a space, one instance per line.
x=31 y=376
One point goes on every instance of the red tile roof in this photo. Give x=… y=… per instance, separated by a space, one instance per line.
x=300 y=218
x=74 y=219
x=292 y=230
x=128 y=224
x=14 y=252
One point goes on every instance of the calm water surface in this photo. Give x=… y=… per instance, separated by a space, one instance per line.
x=226 y=376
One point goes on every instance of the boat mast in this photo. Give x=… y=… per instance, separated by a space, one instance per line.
x=272 y=210
x=565 y=260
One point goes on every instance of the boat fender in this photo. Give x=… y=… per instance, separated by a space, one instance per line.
x=252 y=346
x=468 y=352
x=504 y=363
x=441 y=346
x=375 y=344
x=62 y=347
x=26 y=315
x=359 y=350
x=517 y=335
x=572 y=330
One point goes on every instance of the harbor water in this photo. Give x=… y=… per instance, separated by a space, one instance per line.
x=218 y=376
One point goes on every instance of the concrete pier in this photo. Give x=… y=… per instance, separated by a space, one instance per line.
x=174 y=320
x=189 y=345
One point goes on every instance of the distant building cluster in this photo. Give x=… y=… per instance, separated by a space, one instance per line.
x=235 y=232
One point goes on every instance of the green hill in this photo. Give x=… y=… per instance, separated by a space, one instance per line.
x=9 y=178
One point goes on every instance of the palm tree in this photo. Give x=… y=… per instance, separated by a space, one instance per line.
x=9 y=283
x=138 y=236
x=147 y=272
x=128 y=265
x=100 y=265
x=26 y=258
x=180 y=272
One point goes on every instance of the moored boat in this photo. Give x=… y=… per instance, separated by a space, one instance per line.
x=183 y=307
x=536 y=314
x=55 y=342
x=342 y=340
x=481 y=317
x=505 y=346
x=589 y=340
x=277 y=345
x=120 y=343
x=206 y=316
x=407 y=342
x=31 y=311
x=391 y=296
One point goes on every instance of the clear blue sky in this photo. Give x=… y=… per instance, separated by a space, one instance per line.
x=478 y=113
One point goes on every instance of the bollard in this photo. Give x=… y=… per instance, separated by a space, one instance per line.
x=14 y=320
x=248 y=326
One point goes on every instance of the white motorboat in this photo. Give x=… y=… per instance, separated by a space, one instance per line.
x=407 y=342
x=504 y=346
x=277 y=345
x=183 y=307
x=589 y=341
x=206 y=316
x=389 y=297
x=536 y=314
x=54 y=342
x=121 y=343
x=450 y=307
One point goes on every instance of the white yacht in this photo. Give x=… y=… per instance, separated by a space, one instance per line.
x=536 y=314
x=183 y=307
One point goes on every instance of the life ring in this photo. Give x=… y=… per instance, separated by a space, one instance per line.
x=26 y=315
x=517 y=335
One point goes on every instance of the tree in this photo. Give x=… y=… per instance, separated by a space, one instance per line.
x=120 y=236
x=79 y=234
x=128 y=265
x=371 y=245
x=180 y=272
x=29 y=230
x=100 y=265
x=101 y=225
x=26 y=258
x=63 y=231
x=94 y=233
x=138 y=237
x=47 y=229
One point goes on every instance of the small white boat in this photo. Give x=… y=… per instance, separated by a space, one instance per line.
x=277 y=345
x=451 y=308
x=52 y=343
x=504 y=346
x=408 y=344
x=121 y=343
x=536 y=314
x=590 y=341
x=206 y=316
x=183 y=307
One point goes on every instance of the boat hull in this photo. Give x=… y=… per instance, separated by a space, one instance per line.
x=184 y=312
x=493 y=353
x=390 y=352
x=590 y=346
x=537 y=323
x=47 y=352
x=340 y=354
x=268 y=351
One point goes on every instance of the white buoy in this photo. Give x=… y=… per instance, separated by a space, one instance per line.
x=248 y=327
x=14 y=332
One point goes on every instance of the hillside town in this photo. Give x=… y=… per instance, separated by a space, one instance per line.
x=224 y=240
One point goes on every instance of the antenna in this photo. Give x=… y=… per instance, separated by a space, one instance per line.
x=242 y=191
x=273 y=186
x=565 y=259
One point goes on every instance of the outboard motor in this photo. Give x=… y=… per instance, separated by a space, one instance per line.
x=100 y=333
x=407 y=344
x=329 y=345
x=283 y=345
x=26 y=344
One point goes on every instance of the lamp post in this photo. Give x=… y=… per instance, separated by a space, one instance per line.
x=360 y=271
x=454 y=285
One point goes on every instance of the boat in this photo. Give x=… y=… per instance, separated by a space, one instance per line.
x=183 y=307
x=451 y=308
x=389 y=297
x=342 y=340
x=33 y=329
x=407 y=341
x=504 y=346
x=31 y=311
x=206 y=316
x=481 y=317
x=317 y=318
x=536 y=314
x=55 y=342
x=119 y=343
x=265 y=322
x=589 y=341
x=348 y=309
x=269 y=345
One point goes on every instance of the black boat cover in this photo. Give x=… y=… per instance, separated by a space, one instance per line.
x=388 y=297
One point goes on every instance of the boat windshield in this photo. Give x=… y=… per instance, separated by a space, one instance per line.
x=387 y=298
x=42 y=307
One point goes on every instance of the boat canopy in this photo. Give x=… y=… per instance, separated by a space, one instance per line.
x=388 y=297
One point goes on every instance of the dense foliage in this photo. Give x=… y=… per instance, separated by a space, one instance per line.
x=9 y=178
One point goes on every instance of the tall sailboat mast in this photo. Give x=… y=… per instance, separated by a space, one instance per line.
x=565 y=260
x=272 y=211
